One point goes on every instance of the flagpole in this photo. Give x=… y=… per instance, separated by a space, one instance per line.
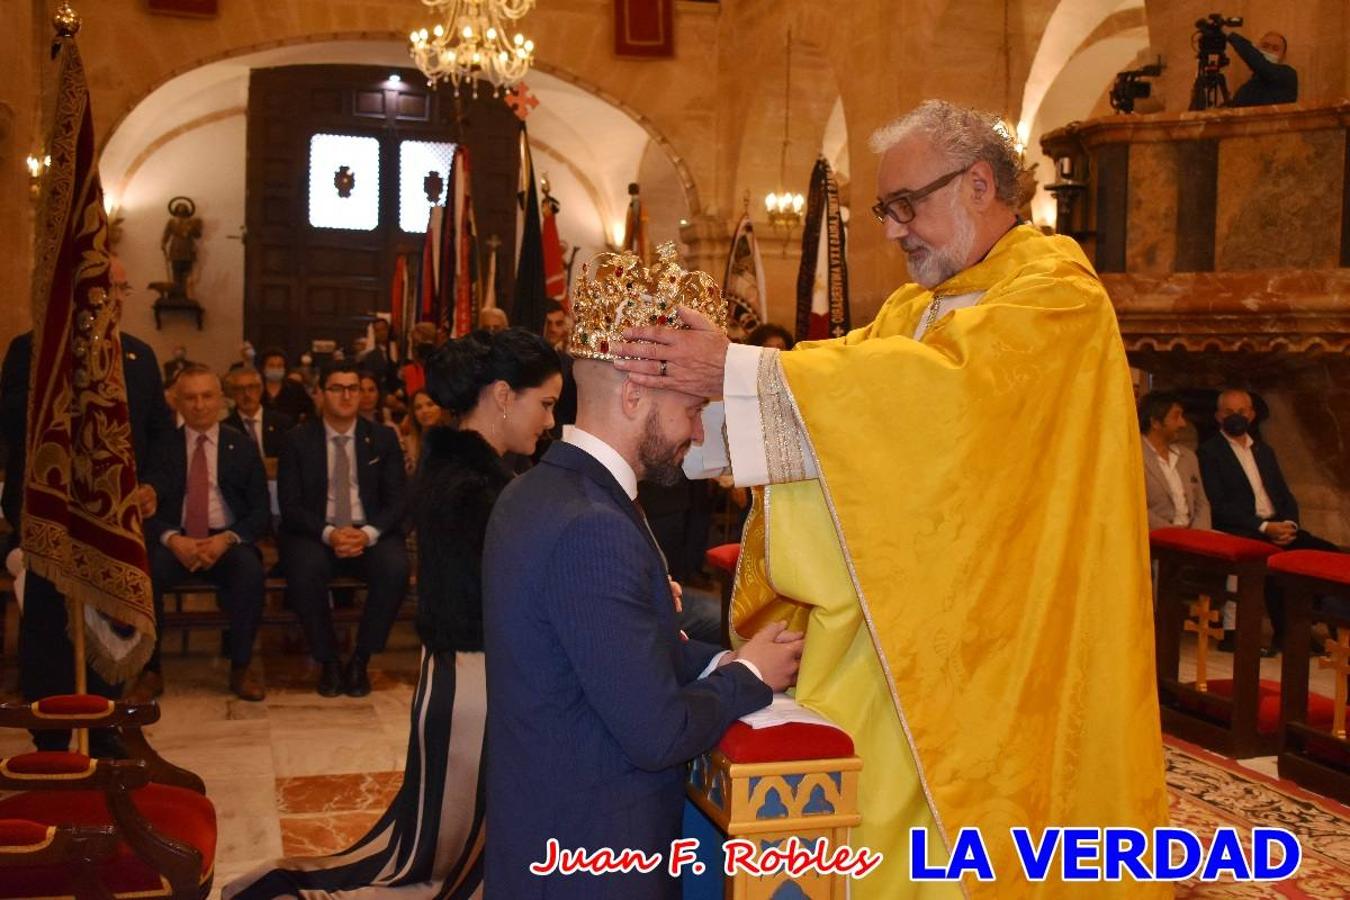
x=81 y=674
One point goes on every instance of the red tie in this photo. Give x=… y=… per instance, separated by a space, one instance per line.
x=197 y=519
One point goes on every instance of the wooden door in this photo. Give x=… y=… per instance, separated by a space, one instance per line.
x=307 y=282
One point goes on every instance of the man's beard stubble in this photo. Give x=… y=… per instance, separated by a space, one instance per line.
x=941 y=263
x=660 y=458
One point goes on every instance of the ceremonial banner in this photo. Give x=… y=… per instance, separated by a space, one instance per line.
x=398 y=301
x=555 y=278
x=428 y=276
x=81 y=523
x=644 y=28
x=459 y=256
x=822 y=280
x=743 y=283
x=531 y=294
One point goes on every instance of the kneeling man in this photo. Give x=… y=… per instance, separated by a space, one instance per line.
x=597 y=699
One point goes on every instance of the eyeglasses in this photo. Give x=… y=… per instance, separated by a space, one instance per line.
x=351 y=390
x=900 y=206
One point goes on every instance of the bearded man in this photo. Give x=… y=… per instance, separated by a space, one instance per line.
x=597 y=700
x=955 y=515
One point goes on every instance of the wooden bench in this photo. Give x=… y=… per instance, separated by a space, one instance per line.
x=275 y=612
x=1194 y=571
x=1316 y=751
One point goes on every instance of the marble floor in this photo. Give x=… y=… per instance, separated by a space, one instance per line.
x=298 y=774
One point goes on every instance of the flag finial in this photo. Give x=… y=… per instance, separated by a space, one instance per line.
x=66 y=21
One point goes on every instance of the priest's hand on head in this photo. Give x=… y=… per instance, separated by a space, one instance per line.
x=776 y=652
x=694 y=359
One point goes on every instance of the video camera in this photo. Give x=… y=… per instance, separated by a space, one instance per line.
x=1211 y=45
x=1128 y=88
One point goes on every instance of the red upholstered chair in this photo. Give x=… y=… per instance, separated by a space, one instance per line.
x=722 y=560
x=1316 y=752
x=1195 y=569
x=100 y=828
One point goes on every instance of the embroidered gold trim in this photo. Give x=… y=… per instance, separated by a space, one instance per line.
x=782 y=447
x=37 y=713
x=47 y=776
x=33 y=848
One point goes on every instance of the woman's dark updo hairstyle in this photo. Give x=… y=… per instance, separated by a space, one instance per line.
x=460 y=369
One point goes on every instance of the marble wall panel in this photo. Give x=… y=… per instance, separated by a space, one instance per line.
x=1280 y=199
x=1151 y=230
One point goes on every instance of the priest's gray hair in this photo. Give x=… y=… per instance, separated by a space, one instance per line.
x=965 y=137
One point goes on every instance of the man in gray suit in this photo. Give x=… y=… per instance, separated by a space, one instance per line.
x=1176 y=495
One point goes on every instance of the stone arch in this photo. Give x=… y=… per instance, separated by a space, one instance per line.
x=391 y=40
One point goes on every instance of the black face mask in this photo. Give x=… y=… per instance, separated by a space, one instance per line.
x=1235 y=425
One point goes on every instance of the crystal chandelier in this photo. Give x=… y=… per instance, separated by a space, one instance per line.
x=473 y=40
x=783 y=206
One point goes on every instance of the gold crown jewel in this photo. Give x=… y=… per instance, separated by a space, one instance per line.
x=625 y=294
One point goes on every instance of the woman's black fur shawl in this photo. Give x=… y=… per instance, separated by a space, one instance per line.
x=458 y=480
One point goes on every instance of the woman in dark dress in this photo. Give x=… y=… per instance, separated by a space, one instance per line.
x=501 y=388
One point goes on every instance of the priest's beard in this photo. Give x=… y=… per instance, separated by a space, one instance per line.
x=929 y=265
x=660 y=457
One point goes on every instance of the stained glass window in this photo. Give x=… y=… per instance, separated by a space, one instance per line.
x=416 y=161
x=344 y=182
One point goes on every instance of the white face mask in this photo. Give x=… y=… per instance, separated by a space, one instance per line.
x=1271 y=58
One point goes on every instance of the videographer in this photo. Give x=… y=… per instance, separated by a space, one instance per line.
x=1272 y=80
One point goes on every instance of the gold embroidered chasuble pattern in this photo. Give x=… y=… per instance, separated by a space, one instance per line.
x=971 y=566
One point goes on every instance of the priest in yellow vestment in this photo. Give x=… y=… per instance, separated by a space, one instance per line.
x=954 y=513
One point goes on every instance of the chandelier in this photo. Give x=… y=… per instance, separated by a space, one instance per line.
x=474 y=41
x=783 y=206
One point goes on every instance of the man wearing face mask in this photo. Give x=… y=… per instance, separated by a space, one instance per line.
x=1272 y=80
x=282 y=394
x=1247 y=491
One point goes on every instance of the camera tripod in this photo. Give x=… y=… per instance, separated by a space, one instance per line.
x=1210 y=88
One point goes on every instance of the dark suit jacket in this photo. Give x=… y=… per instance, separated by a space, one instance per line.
x=275 y=424
x=596 y=701
x=151 y=418
x=239 y=474
x=1231 y=499
x=302 y=479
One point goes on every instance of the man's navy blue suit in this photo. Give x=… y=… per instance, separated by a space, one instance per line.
x=595 y=702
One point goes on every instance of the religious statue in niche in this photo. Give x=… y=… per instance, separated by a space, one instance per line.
x=635 y=226
x=179 y=244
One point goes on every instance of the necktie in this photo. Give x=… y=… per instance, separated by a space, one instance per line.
x=642 y=514
x=342 y=483
x=252 y=425
x=197 y=519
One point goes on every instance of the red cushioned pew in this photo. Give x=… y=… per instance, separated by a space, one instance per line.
x=1195 y=570
x=1316 y=752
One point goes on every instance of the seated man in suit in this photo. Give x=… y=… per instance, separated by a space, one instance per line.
x=585 y=660
x=1175 y=493
x=213 y=508
x=265 y=427
x=1248 y=492
x=342 y=491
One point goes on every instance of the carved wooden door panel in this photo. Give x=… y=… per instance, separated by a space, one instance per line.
x=323 y=204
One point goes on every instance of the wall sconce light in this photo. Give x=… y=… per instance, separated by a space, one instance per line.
x=37 y=167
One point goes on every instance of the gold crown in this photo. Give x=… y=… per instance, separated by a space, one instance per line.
x=625 y=294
